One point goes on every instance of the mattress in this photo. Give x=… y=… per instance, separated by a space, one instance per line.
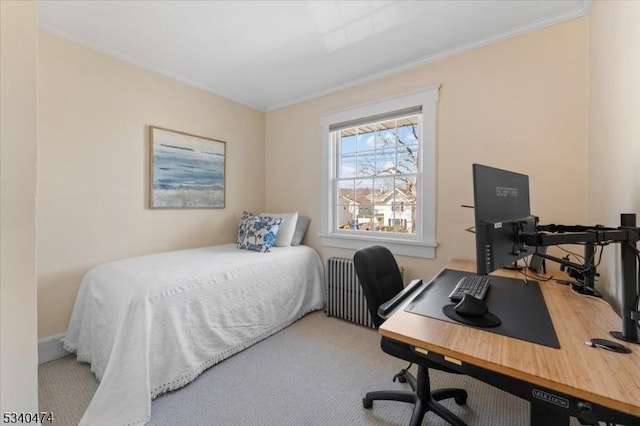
x=151 y=324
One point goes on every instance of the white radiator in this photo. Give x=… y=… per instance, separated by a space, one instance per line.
x=345 y=299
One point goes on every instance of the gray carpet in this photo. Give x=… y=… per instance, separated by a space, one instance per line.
x=314 y=372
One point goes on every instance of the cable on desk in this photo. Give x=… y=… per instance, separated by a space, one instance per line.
x=579 y=256
x=582 y=258
x=525 y=269
x=537 y=275
x=532 y=273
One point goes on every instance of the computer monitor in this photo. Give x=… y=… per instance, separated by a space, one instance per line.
x=506 y=232
x=502 y=214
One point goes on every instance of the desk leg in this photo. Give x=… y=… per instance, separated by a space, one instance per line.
x=545 y=415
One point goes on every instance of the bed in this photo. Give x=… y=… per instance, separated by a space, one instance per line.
x=152 y=324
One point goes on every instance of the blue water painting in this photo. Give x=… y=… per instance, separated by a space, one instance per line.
x=187 y=177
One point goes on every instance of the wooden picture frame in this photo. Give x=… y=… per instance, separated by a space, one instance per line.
x=186 y=171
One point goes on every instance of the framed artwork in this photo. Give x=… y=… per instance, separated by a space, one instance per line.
x=187 y=171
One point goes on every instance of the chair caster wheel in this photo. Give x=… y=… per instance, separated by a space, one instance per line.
x=367 y=403
x=460 y=400
x=402 y=378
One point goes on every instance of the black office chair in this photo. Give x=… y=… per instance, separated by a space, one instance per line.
x=381 y=280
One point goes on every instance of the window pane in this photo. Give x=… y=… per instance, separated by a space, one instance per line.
x=366 y=141
x=383 y=189
x=386 y=135
x=364 y=194
x=367 y=164
x=345 y=216
x=345 y=204
x=407 y=161
x=364 y=187
x=407 y=134
x=407 y=188
x=346 y=192
x=386 y=161
x=365 y=217
x=404 y=220
x=347 y=143
x=347 y=166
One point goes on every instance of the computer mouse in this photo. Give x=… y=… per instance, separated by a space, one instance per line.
x=608 y=345
x=471 y=306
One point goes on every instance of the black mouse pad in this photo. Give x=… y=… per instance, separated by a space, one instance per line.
x=520 y=307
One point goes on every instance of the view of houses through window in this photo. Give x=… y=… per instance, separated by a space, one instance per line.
x=377 y=175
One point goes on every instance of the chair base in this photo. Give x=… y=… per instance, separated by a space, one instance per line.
x=423 y=398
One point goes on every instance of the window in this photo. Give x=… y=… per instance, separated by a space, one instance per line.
x=377 y=175
x=380 y=175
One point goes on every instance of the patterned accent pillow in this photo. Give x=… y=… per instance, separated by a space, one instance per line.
x=243 y=225
x=259 y=233
x=287 y=227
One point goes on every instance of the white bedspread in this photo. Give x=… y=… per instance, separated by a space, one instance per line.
x=152 y=324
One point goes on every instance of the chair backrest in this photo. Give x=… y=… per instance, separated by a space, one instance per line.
x=379 y=276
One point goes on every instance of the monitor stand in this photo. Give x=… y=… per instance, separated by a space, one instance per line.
x=514 y=267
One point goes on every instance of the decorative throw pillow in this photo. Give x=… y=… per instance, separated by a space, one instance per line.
x=259 y=233
x=243 y=225
x=287 y=228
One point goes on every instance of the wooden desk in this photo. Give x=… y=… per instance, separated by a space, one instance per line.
x=581 y=377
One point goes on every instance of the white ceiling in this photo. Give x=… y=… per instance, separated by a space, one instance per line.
x=269 y=54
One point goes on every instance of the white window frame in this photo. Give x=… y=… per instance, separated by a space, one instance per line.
x=423 y=243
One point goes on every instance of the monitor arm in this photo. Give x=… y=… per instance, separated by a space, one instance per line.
x=553 y=234
x=627 y=235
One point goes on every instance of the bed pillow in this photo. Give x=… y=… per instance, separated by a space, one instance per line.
x=287 y=228
x=243 y=225
x=301 y=229
x=259 y=233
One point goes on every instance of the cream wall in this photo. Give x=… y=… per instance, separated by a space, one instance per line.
x=93 y=168
x=520 y=104
x=18 y=152
x=528 y=94
x=614 y=125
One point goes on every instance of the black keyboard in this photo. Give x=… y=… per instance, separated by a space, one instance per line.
x=475 y=285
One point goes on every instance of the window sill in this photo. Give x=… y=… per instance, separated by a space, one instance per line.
x=398 y=247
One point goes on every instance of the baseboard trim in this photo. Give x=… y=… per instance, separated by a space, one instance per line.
x=50 y=348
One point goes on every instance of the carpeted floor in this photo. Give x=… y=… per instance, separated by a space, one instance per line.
x=314 y=372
